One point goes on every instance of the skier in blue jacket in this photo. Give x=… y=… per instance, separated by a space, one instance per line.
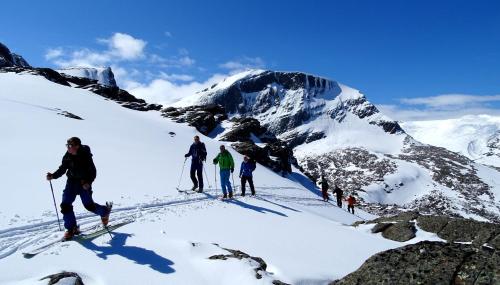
x=246 y=169
x=198 y=154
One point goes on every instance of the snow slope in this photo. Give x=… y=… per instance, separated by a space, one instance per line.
x=302 y=239
x=473 y=136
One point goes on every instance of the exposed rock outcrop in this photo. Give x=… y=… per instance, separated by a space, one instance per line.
x=429 y=263
x=67 y=278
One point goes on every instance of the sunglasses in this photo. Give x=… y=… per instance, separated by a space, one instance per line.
x=68 y=145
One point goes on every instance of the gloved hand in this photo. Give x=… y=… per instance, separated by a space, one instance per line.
x=49 y=176
x=215 y=161
x=186 y=155
x=232 y=170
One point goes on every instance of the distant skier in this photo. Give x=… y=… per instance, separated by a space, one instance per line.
x=198 y=154
x=339 y=194
x=79 y=167
x=246 y=169
x=324 y=188
x=351 y=201
x=226 y=164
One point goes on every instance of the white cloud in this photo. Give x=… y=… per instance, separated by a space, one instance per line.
x=126 y=47
x=174 y=61
x=402 y=113
x=53 y=53
x=167 y=34
x=120 y=47
x=166 y=92
x=243 y=63
x=176 y=77
x=449 y=100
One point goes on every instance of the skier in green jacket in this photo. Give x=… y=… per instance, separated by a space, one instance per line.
x=226 y=164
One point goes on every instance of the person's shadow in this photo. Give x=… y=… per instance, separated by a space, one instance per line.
x=255 y=208
x=137 y=254
x=248 y=206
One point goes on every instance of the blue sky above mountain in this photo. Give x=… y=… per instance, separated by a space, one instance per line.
x=416 y=59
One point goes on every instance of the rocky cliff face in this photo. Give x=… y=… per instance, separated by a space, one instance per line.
x=9 y=59
x=103 y=75
x=283 y=101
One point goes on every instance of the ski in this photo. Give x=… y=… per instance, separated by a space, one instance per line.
x=187 y=191
x=86 y=236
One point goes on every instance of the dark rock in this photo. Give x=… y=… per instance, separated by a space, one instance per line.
x=203 y=118
x=262 y=266
x=242 y=130
x=402 y=217
x=402 y=231
x=428 y=263
x=380 y=227
x=5 y=56
x=433 y=224
x=55 y=278
x=69 y=115
x=495 y=242
x=464 y=230
x=448 y=228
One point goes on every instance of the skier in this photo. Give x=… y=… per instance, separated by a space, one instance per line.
x=226 y=164
x=198 y=154
x=324 y=188
x=246 y=169
x=79 y=167
x=350 y=203
x=339 y=194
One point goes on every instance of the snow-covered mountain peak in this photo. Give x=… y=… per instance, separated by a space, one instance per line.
x=285 y=101
x=103 y=75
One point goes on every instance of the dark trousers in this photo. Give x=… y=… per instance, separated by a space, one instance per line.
x=349 y=207
x=197 y=170
x=325 y=194
x=244 y=179
x=339 y=201
x=74 y=188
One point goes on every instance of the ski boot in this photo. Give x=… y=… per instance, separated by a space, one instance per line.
x=69 y=234
x=105 y=219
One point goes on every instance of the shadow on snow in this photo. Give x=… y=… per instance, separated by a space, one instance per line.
x=137 y=254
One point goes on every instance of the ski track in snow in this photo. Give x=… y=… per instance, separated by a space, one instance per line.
x=22 y=237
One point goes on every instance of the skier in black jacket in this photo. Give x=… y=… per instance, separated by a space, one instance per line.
x=339 y=194
x=198 y=154
x=324 y=188
x=79 y=167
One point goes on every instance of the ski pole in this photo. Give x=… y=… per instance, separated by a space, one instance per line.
x=232 y=177
x=182 y=172
x=215 y=175
x=55 y=206
x=206 y=176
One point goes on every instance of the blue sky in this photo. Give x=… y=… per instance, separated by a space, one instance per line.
x=414 y=59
